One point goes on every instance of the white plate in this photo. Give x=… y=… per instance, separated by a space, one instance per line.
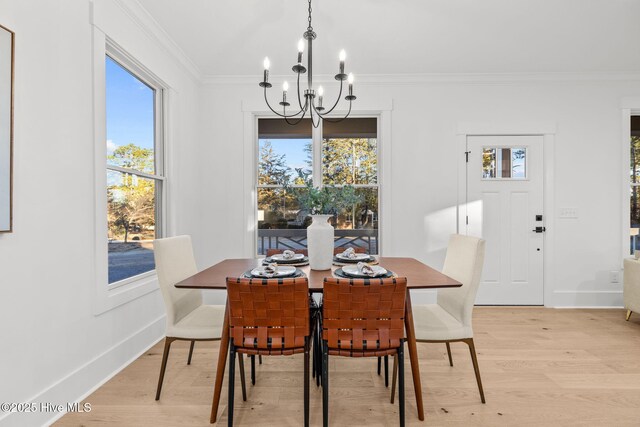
x=280 y=257
x=352 y=270
x=283 y=271
x=357 y=257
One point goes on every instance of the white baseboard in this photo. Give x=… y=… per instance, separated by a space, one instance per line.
x=586 y=299
x=79 y=384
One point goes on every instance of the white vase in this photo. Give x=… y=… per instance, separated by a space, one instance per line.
x=320 y=242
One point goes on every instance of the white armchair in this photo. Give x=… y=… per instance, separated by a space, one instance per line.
x=187 y=317
x=450 y=319
x=631 y=291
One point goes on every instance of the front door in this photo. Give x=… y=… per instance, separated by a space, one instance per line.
x=504 y=206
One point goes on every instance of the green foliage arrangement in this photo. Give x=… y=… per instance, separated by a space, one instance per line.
x=328 y=199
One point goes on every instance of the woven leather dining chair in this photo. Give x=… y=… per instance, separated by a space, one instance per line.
x=188 y=319
x=450 y=319
x=268 y=317
x=363 y=318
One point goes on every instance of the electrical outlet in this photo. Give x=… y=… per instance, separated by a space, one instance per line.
x=569 y=213
x=614 y=276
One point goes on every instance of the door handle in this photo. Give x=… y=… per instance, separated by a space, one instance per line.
x=539 y=229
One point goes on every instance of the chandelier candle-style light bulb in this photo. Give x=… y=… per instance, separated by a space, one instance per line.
x=300 y=50
x=306 y=97
x=266 y=64
x=285 y=88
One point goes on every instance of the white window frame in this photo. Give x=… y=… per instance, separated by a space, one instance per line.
x=108 y=296
x=317 y=169
x=630 y=107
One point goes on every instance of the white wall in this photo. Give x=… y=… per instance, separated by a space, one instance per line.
x=424 y=156
x=54 y=349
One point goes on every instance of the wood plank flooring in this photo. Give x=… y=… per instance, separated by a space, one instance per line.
x=540 y=367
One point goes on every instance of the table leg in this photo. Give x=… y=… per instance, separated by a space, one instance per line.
x=222 y=361
x=413 y=355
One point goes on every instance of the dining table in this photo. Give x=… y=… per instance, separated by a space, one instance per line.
x=418 y=274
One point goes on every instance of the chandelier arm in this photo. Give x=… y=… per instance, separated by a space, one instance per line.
x=312 y=108
x=304 y=113
x=340 y=119
x=334 y=105
x=275 y=112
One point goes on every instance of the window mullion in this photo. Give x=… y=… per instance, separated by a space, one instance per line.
x=317 y=155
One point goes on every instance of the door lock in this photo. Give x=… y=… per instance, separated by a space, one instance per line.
x=540 y=229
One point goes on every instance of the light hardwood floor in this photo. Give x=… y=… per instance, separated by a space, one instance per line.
x=540 y=367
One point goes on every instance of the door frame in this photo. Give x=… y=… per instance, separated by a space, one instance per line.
x=547 y=131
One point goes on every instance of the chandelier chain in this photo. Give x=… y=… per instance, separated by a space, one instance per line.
x=310 y=28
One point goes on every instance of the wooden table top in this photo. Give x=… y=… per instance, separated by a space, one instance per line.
x=419 y=275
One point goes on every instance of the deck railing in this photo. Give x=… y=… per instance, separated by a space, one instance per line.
x=297 y=239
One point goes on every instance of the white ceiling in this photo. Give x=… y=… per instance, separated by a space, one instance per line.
x=231 y=37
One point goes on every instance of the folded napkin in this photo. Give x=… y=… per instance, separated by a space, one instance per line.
x=365 y=268
x=349 y=253
x=270 y=269
x=288 y=254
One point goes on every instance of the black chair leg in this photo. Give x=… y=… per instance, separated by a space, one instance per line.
x=232 y=377
x=386 y=371
x=379 y=365
x=306 y=382
x=260 y=359
x=318 y=351
x=401 y=382
x=163 y=366
x=242 y=381
x=325 y=385
x=253 y=369
x=190 y=352
x=394 y=377
x=449 y=354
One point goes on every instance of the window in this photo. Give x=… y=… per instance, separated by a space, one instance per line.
x=134 y=147
x=346 y=153
x=634 y=174
x=504 y=163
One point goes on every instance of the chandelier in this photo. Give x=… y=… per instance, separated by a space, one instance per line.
x=313 y=106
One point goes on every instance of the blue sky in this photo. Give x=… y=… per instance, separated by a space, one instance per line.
x=293 y=149
x=129 y=109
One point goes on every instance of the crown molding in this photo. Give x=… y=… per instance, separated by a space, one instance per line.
x=438 y=78
x=143 y=19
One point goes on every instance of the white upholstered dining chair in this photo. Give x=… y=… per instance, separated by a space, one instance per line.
x=450 y=319
x=188 y=318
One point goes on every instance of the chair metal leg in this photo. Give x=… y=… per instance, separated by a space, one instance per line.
x=190 y=352
x=401 y=382
x=629 y=314
x=394 y=376
x=449 y=353
x=379 y=365
x=242 y=381
x=163 y=366
x=253 y=369
x=318 y=351
x=474 y=359
x=306 y=382
x=260 y=359
x=232 y=377
x=386 y=371
x=325 y=385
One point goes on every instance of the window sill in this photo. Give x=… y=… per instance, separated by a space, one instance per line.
x=114 y=295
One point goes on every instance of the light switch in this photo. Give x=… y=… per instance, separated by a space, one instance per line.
x=569 y=213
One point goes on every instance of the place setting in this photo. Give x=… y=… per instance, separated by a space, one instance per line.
x=350 y=256
x=287 y=258
x=273 y=271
